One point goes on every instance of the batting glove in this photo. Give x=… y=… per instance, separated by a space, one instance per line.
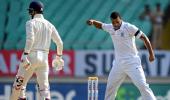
x=58 y=63
x=25 y=62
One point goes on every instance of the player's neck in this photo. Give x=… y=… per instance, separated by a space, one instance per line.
x=118 y=27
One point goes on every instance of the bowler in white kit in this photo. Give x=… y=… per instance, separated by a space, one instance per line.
x=39 y=33
x=127 y=62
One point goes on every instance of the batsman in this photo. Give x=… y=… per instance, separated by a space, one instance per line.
x=39 y=33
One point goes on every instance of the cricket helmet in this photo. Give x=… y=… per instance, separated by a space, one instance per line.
x=36 y=6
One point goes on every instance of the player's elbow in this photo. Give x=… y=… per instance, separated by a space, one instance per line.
x=99 y=26
x=30 y=40
x=146 y=41
x=144 y=38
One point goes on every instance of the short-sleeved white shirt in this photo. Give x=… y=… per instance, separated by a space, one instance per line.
x=123 y=39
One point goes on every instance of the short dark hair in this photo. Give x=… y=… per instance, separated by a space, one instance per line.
x=114 y=15
x=147 y=6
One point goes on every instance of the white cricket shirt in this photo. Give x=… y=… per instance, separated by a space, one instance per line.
x=123 y=39
x=39 y=33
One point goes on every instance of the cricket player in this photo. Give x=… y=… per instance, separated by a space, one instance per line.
x=127 y=61
x=39 y=33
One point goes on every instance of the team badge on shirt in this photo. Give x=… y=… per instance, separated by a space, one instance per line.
x=122 y=34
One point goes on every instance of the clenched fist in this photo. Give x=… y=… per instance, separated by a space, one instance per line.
x=90 y=22
x=151 y=58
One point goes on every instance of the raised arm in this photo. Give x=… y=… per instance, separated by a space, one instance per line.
x=148 y=46
x=97 y=24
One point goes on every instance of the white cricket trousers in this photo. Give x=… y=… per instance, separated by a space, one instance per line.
x=39 y=66
x=132 y=68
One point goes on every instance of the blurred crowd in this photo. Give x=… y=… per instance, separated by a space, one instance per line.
x=156 y=19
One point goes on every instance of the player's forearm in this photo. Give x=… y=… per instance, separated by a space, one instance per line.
x=28 y=45
x=60 y=48
x=97 y=24
x=148 y=46
x=57 y=40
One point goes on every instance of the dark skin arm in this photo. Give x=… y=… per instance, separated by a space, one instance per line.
x=97 y=24
x=148 y=46
x=146 y=41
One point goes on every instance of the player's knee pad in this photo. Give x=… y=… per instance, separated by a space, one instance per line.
x=18 y=82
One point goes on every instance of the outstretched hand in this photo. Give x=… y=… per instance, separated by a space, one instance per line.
x=95 y=23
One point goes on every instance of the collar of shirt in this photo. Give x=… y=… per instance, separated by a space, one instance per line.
x=38 y=16
x=122 y=25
